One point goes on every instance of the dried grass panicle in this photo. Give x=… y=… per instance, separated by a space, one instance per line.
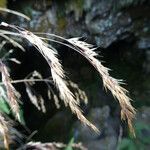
x=10 y=90
x=87 y=50
x=4 y=131
x=58 y=76
x=50 y=146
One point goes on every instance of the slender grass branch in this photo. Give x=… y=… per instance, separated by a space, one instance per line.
x=29 y=80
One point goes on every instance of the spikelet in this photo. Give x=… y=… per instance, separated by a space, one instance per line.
x=4 y=131
x=33 y=98
x=79 y=94
x=10 y=90
x=87 y=50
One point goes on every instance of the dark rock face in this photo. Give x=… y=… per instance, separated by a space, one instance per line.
x=104 y=22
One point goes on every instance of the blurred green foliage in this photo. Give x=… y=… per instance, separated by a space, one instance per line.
x=141 y=142
x=69 y=146
x=4 y=106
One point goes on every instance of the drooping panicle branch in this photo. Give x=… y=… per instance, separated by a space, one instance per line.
x=87 y=50
x=10 y=90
